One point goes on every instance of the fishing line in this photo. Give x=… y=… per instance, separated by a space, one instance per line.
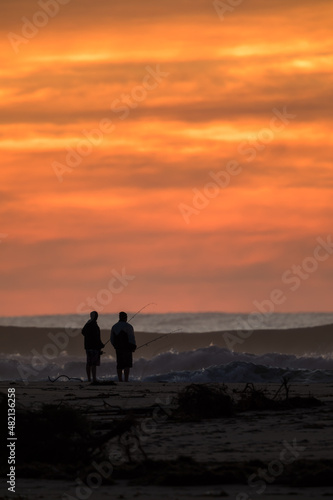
x=160 y=337
x=142 y=308
x=74 y=378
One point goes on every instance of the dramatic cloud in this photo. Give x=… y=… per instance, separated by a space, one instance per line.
x=192 y=151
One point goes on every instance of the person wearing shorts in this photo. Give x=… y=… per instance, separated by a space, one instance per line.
x=123 y=340
x=92 y=345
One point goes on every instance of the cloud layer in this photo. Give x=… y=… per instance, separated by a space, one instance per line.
x=192 y=151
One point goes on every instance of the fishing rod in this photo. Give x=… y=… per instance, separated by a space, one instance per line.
x=160 y=337
x=142 y=308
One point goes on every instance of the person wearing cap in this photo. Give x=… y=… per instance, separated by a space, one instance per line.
x=123 y=340
x=92 y=345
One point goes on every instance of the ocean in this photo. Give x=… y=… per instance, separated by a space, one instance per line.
x=195 y=347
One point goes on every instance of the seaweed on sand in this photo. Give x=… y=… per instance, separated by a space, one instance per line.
x=256 y=399
x=198 y=401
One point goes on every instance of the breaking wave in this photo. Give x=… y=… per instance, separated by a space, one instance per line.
x=210 y=364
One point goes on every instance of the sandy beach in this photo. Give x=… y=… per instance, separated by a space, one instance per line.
x=282 y=452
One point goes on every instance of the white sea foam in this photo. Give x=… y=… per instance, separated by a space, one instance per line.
x=210 y=364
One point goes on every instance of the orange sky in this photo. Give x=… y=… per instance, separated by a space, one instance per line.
x=175 y=95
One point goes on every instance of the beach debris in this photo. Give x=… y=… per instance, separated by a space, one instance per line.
x=197 y=401
x=57 y=440
x=128 y=431
x=284 y=384
x=66 y=376
x=256 y=399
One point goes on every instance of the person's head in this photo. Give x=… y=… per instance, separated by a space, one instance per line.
x=93 y=315
x=122 y=316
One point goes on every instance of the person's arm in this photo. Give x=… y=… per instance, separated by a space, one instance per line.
x=101 y=345
x=131 y=337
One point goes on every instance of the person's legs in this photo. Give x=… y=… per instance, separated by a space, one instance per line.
x=93 y=369
x=119 y=365
x=88 y=372
x=126 y=373
x=88 y=365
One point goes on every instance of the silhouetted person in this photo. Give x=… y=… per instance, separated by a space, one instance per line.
x=123 y=340
x=92 y=345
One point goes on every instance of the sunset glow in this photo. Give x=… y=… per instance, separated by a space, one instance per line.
x=193 y=152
